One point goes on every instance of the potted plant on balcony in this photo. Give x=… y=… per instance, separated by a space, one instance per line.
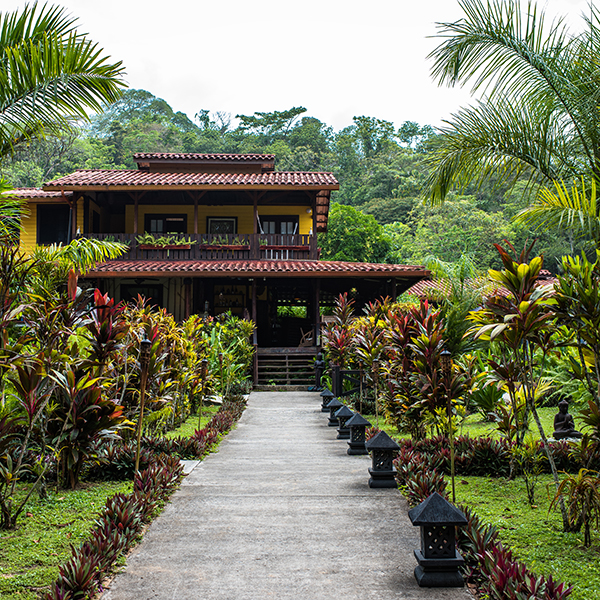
x=148 y=241
x=223 y=243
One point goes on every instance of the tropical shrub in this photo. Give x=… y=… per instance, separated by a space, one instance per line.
x=582 y=495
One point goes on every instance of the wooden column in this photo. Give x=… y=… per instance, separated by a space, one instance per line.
x=135 y=214
x=187 y=291
x=394 y=292
x=195 y=196
x=255 y=204
x=74 y=219
x=255 y=333
x=254 y=312
x=316 y=311
x=314 y=250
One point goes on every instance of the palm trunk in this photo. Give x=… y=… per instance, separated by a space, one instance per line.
x=553 y=469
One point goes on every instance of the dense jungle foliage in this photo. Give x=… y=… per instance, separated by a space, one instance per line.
x=377 y=215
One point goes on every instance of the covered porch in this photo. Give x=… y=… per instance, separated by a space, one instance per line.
x=286 y=299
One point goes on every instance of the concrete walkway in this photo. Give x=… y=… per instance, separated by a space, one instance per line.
x=282 y=512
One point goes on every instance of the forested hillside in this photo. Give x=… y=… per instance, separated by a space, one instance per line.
x=377 y=215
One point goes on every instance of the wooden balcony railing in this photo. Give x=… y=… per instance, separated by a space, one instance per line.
x=205 y=246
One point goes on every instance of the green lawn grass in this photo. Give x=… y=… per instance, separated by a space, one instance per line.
x=475 y=426
x=534 y=534
x=30 y=555
x=190 y=425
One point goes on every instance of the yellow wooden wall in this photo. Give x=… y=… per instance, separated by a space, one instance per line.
x=29 y=231
x=243 y=213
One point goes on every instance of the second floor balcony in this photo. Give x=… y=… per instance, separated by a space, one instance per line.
x=216 y=246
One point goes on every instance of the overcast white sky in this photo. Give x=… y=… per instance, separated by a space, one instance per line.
x=337 y=58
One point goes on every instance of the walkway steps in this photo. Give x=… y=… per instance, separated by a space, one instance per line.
x=279 y=512
x=286 y=366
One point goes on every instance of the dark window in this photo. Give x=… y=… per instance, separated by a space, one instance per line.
x=95 y=222
x=53 y=224
x=163 y=224
x=152 y=292
x=287 y=224
x=218 y=225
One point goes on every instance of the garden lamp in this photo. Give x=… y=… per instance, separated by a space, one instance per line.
x=203 y=376
x=145 y=351
x=446 y=361
x=375 y=374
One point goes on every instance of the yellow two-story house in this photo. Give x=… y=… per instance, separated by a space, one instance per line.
x=211 y=233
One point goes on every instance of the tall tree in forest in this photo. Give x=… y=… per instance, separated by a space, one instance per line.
x=50 y=74
x=539 y=110
x=353 y=236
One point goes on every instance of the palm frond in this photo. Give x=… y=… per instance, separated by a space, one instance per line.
x=49 y=74
x=80 y=254
x=543 y=92
x=575 y=209
x=12 y=212
x=503 y=140
x=503 y=47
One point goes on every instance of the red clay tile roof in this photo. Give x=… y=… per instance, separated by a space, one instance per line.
x=487 y=287
x=196 y=156
x=36 y=193
x=264 y=268
x=107 y=179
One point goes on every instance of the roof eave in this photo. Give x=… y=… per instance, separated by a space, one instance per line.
x=175 y=188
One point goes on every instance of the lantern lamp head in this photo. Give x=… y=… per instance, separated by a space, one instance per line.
x=145 y=350
x=446 y=360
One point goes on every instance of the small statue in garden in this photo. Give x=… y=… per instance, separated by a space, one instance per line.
x=319 y=368
x=564 y=426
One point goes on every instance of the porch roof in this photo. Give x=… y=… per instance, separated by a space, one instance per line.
x=133 y=179
x=37 y=194
x=257 y=268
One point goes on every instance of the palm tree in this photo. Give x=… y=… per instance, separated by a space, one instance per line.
x=50 y=74
x=538 y=114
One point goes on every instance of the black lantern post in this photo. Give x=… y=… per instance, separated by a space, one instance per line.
x=203 y=377
x=383 y=450
x=438 y=558
x=361 y=374
x=446 y=360
x=343 y=415
x=358 y=428
x=327 y=396
x=375 y=375
x=145 y=350
x=221 y=375
x=333 y=406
